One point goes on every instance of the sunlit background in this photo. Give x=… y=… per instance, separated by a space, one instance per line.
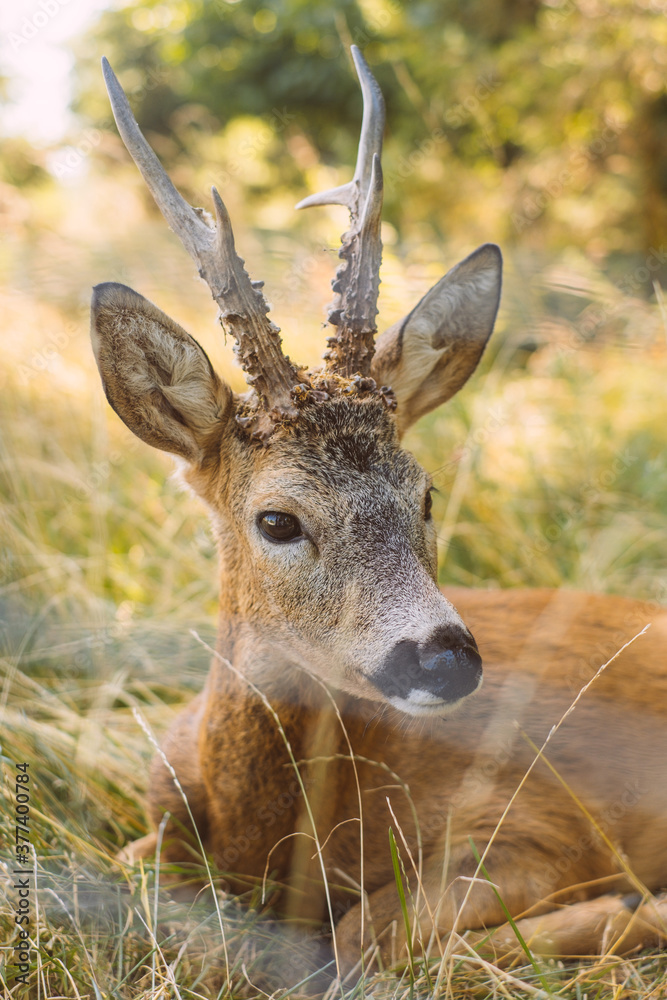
x=537 y=124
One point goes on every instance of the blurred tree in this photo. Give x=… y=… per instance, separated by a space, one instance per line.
x=551 y=114
x=20 y=164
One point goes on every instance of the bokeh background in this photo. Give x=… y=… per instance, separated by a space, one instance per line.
x=537 y=124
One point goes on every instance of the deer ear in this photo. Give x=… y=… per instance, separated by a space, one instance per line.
x=155 y=375
x=431 y=353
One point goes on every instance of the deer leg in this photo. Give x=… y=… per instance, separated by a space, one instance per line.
x=471 y=903
x=144 y=847
x=186 y=804
x=384 y=928
x=607 y=924
x=616 y=924
x=164 y=796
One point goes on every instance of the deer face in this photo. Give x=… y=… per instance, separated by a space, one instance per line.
x=329 y=559
x=327 y=546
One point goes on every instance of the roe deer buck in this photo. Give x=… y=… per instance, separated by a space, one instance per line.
x=328 y=569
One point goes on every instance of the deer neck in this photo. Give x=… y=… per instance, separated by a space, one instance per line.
x=257 y=658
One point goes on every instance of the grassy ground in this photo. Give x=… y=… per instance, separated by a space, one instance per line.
x=552 y=470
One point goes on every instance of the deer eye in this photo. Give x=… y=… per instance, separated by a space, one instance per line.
x=278 y=527
x=428 y=504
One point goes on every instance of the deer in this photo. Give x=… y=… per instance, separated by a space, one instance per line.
x=345 y=692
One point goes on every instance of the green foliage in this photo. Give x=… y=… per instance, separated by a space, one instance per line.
x=548 y=120
x=19 y=164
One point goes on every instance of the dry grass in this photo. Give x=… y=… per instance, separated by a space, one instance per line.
x=552 y=468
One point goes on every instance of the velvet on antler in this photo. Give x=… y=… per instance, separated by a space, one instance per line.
x=280 y=387
x=243 y=308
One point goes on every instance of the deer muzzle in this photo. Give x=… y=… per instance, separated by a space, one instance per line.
x=428 y=677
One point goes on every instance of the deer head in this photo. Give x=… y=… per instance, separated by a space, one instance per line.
x=328 y=550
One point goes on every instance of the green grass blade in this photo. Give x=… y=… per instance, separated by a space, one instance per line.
x=510 y=920
x=395 y=860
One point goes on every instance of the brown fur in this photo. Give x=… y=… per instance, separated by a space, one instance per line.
x=326 y=611
x=540 y=648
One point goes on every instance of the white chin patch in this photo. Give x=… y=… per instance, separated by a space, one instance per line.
x=420 y=702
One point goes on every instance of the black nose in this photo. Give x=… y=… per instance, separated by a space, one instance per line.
x=446 y=668
x=455 y=671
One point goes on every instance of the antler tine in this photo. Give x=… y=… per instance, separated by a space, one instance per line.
x=243 y=308
x=182 y=218
x=357 y=280
x=370 y=143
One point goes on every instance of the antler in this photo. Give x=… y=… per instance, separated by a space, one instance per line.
x=243 y=308
x=357 y=280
